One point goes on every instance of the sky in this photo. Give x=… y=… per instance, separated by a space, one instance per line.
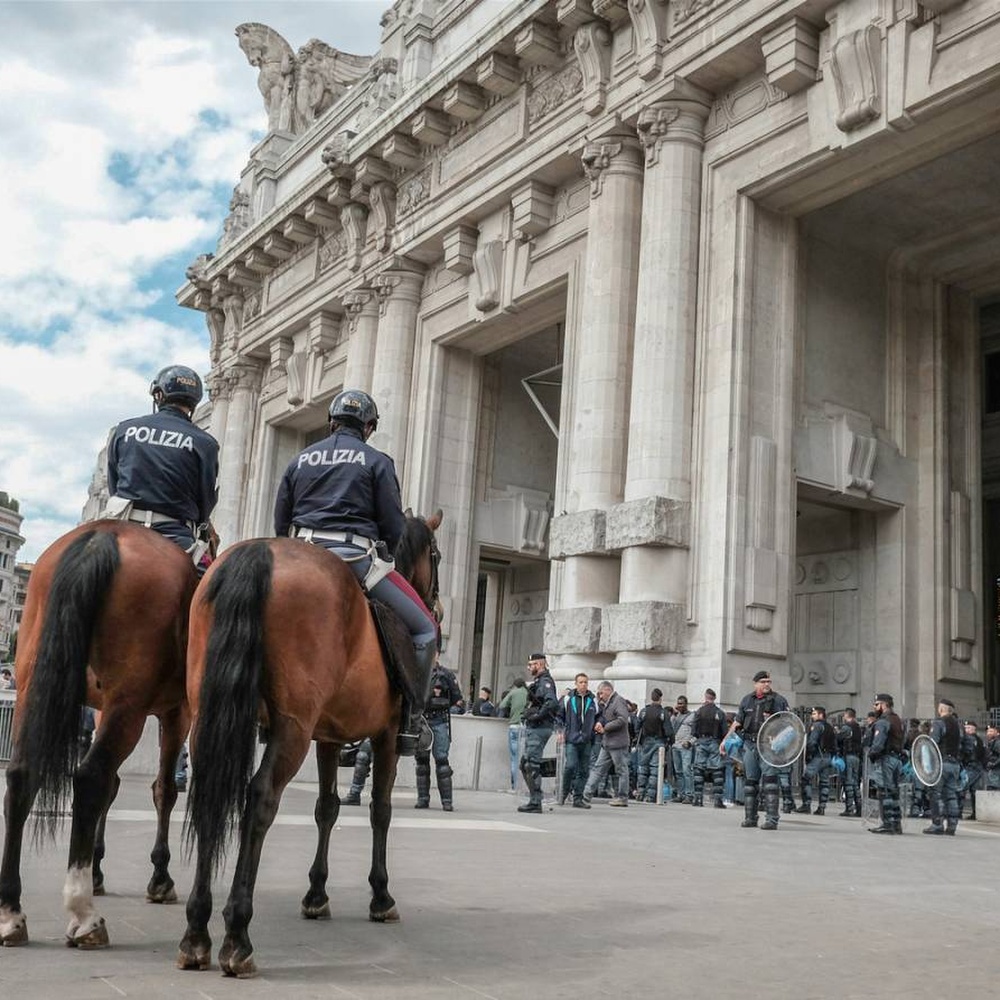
x=123 y=129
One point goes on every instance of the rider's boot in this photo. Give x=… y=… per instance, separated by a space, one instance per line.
x=412 y=722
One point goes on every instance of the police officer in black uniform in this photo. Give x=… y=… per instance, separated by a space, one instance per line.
x=993 y=756
x=162 y=469
x=886 y=757
x=539 y=721
x=973 y=763
x=821 y=741
x=709 y=728
x=445 y=694
x=947 y=734
x=849 y=741
x=343 y=494
x=754 y=709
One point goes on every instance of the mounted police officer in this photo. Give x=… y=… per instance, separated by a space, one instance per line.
x=445 y=695
x=886 y=757
x=343 y=494
x=709 y=729
x=849 y=740
x=754 y=709
x=162 y=469
x=539 y=721
x=947 y=734
x=821 y=741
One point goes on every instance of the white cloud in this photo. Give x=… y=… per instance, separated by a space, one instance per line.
x=125 y=127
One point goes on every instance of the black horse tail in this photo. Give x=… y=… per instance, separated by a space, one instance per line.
x=49 y=737
x=225 y=736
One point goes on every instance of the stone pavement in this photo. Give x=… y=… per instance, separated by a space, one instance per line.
x=613 y=902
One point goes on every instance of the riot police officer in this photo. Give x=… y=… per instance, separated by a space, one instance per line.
x=362 y=768
x=886 y=757
x=162 y=469
x=343 y=494
x=849 y=741
x=709 y=727
x=445 y=695
x=993 y=756
x=539 y=721
x=754 y=709
x=821 y=741
x=973 y=763
x=947 y=734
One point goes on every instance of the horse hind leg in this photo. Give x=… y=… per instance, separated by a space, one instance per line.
x=99 y=844
x=316 y=903
x=382 y=909
x=22 y=787
x=173 y=729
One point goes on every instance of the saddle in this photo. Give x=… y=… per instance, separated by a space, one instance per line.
x=397 y=649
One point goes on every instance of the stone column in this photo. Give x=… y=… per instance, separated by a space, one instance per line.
x=244 y=377
x=220 y=391
x=597 y=436
x=362 y=327
x=652 y=526
x=398 y=294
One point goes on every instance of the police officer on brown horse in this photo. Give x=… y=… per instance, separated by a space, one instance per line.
x=343 y=494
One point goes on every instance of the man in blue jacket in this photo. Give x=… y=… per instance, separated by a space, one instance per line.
x=577 y=716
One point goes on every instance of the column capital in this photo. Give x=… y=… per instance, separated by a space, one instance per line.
x=245 y=374
x=403 y=285
x=671 y=121
x=220 y=387
x=617 y=153
x=357 y=302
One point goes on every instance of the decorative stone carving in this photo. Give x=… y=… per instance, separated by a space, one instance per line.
x=487 y=262
x=464 y=101
x=318 y=212
x=572 y=13
x=538 y=44
x=281 y=351
x=232 y=306
x=678 y=121
x=275 y=245
x=615 y=12
x=649 y=31
x=690 y=10
x=331 y=250
x=354 y=304
x=297 y=89
x=334 y=156
x=459 y=246
x=532 y=206
x=498 y=74
x=298 y=230
x=413 y=192
x=215 y=319
x=295 y=369
x=324 y=332
x=592 y=44
x=220 y=387
x=791 y=55
x=402 y=151
x=382 y=199
x=856 y=64
x=742 y=103
x=259 y=262
x=237 y=221
x=383 y=286
x=554 y=92
x=195 y=272
x=251 y=307
x=239 y=274
x=431 y=127
x=596 y=158
x=354 y=219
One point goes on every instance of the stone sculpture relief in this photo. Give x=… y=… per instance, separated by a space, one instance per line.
x=297 y=89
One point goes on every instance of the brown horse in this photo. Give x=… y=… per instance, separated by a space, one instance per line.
x=281 y=633
x=105 y=625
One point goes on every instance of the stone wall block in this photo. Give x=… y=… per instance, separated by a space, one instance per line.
x=658 y=521
x=647 y=626
x=582 y=533
x=573 y=630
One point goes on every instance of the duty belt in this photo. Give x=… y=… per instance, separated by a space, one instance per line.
x=344 y=537
x=151 y=517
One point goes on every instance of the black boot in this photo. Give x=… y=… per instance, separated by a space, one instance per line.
x=533 y=780
x=422 y=767
x=934 y=828
x=411 y=724
x=444 y=774
x=771 y=798
x=749 y=808
x=952 y=826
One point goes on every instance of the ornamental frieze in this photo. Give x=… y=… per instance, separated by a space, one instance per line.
x=553 y=92
x=749 y=98
x=413 y=192
x=332 y=249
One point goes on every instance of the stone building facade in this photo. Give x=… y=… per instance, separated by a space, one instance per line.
x=682 y=310
x=11 y=541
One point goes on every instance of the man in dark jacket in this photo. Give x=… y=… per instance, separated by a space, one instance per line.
x=654 y=733
x=578 y=717
x=612 y=727
x=709 y=729
x=886 y=757
x=947 y=734
x=821 y=742
x=539 y=721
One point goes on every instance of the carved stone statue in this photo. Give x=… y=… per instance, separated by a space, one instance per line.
x=238 y=221
x=297 y=89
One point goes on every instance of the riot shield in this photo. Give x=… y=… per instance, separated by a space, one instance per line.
x=781 y=739
x=925 y=759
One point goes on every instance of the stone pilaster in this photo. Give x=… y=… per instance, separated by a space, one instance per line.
x=598 y=431
x=361 y=306
x=244 y=381
x=652 y=526
x=398 y=296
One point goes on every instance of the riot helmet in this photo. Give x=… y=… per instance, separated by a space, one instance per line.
x=355 y=409
x=176 y=384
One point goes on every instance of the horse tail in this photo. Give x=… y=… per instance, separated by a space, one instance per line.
x=225 y=736
x=49 y=734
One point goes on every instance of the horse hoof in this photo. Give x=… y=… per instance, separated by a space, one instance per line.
x=161 y=894
x=314 y=912
x=95 y=938
x=17 y=936
x=99 y=890
x=238 y=968
x=193 y=958
x=390 y=916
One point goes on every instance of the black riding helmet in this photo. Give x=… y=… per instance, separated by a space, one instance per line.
x=354 y=408
x=176 y=384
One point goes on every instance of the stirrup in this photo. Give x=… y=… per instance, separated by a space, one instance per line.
x=410 y=744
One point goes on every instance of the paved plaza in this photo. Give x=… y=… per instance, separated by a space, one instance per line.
x=644 y=901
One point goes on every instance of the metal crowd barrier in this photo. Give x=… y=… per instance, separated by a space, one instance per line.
x=6 y=728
